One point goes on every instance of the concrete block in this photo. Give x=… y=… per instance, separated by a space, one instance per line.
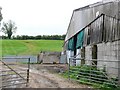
x=51 y=57
x=113 y=53
x=63 y=59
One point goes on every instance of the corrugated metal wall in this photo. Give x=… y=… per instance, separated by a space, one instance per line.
x=83 y=16
x=104 y=29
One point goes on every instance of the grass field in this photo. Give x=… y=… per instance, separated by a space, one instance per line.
x=29 y=47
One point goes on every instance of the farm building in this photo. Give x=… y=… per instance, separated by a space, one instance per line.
x=93 y=36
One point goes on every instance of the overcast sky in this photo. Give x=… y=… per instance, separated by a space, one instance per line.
x=41 y=17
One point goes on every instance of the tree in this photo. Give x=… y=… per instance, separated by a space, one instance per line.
x=9 y=28
x=0 y=15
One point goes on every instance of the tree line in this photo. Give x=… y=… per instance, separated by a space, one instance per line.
x=8 y=28
x=38 y=37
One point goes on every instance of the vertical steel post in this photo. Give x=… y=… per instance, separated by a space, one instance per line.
x=118 y=55
x=28 y=71
x=69 y=70
x=118 y=68
x=118 y=72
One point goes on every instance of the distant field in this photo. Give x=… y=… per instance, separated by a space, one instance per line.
x=29 y=47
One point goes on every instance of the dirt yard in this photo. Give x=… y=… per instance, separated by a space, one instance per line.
x=47 y=76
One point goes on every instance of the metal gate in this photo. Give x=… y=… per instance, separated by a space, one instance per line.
x=91 y=73
x=14 y=72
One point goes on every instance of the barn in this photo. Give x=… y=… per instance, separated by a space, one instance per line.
x=93 y=36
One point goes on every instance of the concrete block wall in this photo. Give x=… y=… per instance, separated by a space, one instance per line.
x=49 y=57
x=88 y=55
x=108 y=54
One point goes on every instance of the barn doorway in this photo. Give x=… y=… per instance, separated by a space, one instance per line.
x=94 y=56
x=83 y=56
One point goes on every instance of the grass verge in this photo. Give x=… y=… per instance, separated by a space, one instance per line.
x=91 y=76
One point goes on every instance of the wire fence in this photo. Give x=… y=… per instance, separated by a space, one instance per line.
x=14 y=72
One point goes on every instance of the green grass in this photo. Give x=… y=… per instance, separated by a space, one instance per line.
x=29 y=47
x=82 y=75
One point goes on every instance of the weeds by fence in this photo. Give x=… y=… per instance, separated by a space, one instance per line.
x=101 y=74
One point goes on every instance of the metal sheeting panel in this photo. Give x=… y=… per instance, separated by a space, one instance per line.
x=119 y=9
x=77 y=23
x=82 y=17
x=111 y=29
x=104 y=29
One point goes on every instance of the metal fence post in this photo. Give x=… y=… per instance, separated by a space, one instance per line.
x=119 y=73
x=28 y=70
x=69 y=69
